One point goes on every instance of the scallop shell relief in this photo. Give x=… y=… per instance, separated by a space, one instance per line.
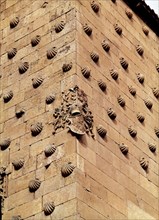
x=36 y=128
x=34 y=185
x=4 y=144
x=48 y=208
x=95 y=6
x=18 y=164
x=102 y=85
x=67 y=169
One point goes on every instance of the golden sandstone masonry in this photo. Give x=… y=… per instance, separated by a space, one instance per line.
x=79 y=120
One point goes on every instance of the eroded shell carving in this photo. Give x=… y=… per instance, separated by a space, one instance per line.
x=132 y=90
x=19 y=112
x=124 y=148
x=12 y=53
x=114 y=74
x=66 y=67
x=148 y=103
x=36 y=82
x=156 y=131
x=121 y=101
x=16 y=217
x=113 y=1
x=105 y=45
x=144 y=163
x=14 y=22
x=50 y=98
x=48 y=208
x=35 y=41
x=118 y=29
x=51 y=53
x=140 y=50
x=111 y=113
x=8 y=96
x=50 y=150
x=140 y=117
x=4 y=144
x=34 y=185
x=18 y=164
x=36 y=128
x=95 y=6
x=59 y=27
x=124 y=63
x=94 y=56
x=67 y=169
x=101 y=131
x=87 y=29
x=102 y=85
x=145 y=30
x=132 y=131
x=155 y=92
x=157 y=67
x=86 y=72
x=23 y=67
x=140 y=78
x=152 y=147
x=128 y=13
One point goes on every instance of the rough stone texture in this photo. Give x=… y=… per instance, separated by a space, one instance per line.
x=105 y=183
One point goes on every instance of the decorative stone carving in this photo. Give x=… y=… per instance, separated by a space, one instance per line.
x=144 y=163
x=12 y=53
x=155 y=92
x=124 y=148
x=4 y=144
x=74 y=113
x=50 y=98
x=121 y=101
x=94 y=56
x=19 y=112
x=2 y=187
x=59 y=26
x=67 y=169
x=36 y=128
x=145 y=30
x=128 y=13
x=148 y=103
x=86 y=72
x=8 y=96
x=152 y=147
x=156 y=131
x=34 y=185
x=111 y=113
x=140 y=50
x=48 y=208
x=95 y=6
x=49 y=150
x=66 y=67
x=114 y=1
x=114 y=74
x=16 y=217
x=140 y=117
x=124 y=63
x=132 y=90
x=157 y=67
x=18 y=164
x=23 y=67
x=101 y=131
x=102 y=85
x=35 y=40
x=36 y=82
x=44 y=5
x=118 y=29
x=51 y=53
x=87 y=29
x=105 y=45
x=14 y=22
x=140 y=78
x=132 y=131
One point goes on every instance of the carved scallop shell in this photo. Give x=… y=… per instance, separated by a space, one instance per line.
x=132 y=90
x=132 y=132
x=23 y=67
x=102 y=85
x=121 y=101
x=4 y=144
x=94 y=56
x=156 y=131
x=111 y=113
x=34 y=185
x=95 y=6
x=50 y=98
x=105 y=45
x=8 y=96
x=124 y=148
x=140 y=117
x=114 y=74
x=118 y=29
x=87 y=29
x=67 y=169
x=157 y=67
x=144 y=163
x=59 y=27
x=148 y=103
x=16 y=217
x=66 y=67
x=36 y=82
x=128 y=13
x=140 y=50
x=152 y=147
x=124 y=63
x=18 y=164
x=113 y=1
x=50 y=150
x=36 y=128
x=19 y=112
x=12 y=53
x=101 y=131
x=14 y=22
x=155 y=92
x=86 y=72
x=140 y=78
x=145 y=30
x=51 y=53
x=35 y=40
x=48 y=208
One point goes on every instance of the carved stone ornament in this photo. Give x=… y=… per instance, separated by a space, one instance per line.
x=36 y=82
x=19 y=112
x=51 y=53
x=87 y=29
x=18 y=163
x=2 y=187
x=48 y=208
x=66 y=67
x=132 y=90
x=128 y=13
x=35 y=40
x=140 y=117
x=14 y=22
x=16 y=217
x=114 y=1
x=34 y=185
x=121 y=101
x=145 y=30
x=67 y=169
x=4 y=144
x=152 y=147
x=23 y=67
x=156 y=131
x=59 y=26
x=101 y=131
x=114 y=74
x=94 y=56
x=140 y=50
x=144 y=163
x=36 y=128
x=111 y=113
x=95 y=6
x=102 y=85
x=8 y=96
x=12 y=53
x=155 y=92
x=105 y=45
x=86 y=72
x=124 y=63
x=140 y=78
x=124 y=148
x=148 y=103
x=74 y=113
x=118 y=29
x=157 y=67
x=50 y=98
x=132 y=131
x=49 y=150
